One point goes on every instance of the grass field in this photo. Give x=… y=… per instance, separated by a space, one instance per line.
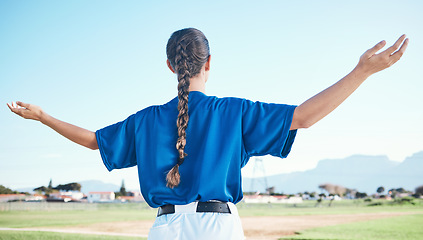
x=15 y=235
x=339 y=207
x=399 y=227
x=402 y=227
x=64 y=218
x=20 y=219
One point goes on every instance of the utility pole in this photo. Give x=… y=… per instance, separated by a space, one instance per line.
x=259 y=174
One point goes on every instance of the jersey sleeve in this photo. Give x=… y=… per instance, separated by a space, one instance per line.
x=266 y=128
x=117 y=144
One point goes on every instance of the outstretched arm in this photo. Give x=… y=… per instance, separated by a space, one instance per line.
x=74 y=133
x=319 y=106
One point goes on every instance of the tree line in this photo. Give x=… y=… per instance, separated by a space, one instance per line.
x=333 y=189
x=74 y=186
x=6 y=190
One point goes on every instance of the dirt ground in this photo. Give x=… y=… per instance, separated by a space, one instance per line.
x=274 y=227
x=255 y=228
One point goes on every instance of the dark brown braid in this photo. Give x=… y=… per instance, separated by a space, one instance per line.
x=187 y=51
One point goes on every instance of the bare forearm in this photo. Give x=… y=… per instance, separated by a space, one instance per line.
x=323 y=103
x=74 y=133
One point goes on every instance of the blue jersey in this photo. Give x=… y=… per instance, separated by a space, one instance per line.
x=222 y=134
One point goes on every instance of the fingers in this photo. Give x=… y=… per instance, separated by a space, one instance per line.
x=398 y=54
x=18 y=107
x=10 y=107
x=22 y=104
x=26 y=110
x=394 y=47
x=15 y=108
x=374 y=49
x=14 y=105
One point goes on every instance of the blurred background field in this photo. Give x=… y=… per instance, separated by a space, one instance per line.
x=401 y=227
x=57 y=236
x=383 y=219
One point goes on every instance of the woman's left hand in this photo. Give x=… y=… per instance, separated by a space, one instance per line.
x=320 y=105
x=26 y=110
x=371 y=63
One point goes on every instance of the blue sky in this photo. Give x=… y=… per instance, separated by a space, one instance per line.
x=93 y=63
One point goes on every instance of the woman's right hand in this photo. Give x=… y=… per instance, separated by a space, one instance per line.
x=26 y=110
x=74 y=133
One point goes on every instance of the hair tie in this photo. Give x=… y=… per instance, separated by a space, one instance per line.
x=180 y=161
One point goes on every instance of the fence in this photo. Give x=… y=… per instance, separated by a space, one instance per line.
x=46 y=206
x=69 y=206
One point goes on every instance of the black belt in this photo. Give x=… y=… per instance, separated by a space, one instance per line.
x=218 y=207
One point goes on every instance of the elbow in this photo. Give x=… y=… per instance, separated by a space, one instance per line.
x=92 y=143
x=93 y=146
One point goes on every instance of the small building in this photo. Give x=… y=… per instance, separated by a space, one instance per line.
x=132 y=196
x=36 y=198
x=67 y=195
x=271 y=199
x=12 y=197
x=101 y=196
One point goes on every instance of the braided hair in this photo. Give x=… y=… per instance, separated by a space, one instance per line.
x=187 y=51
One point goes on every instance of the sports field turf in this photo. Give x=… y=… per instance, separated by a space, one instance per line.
x=15 y=235
x=399 y=227
x=20 y=219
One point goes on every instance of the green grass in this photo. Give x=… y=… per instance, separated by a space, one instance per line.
x=67 y=218
x=107 y=213
x=140 y=211
x=402 y=227
x=338 y=207
x=16 y=235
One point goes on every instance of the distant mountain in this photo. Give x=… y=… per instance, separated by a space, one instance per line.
x=364 y=173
